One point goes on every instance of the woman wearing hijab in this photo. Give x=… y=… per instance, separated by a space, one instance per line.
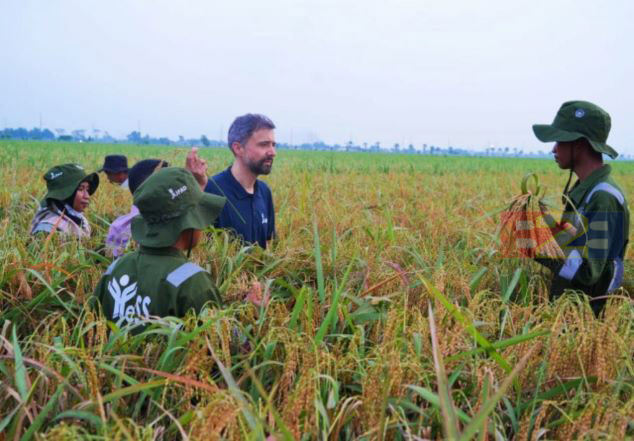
x=69 y=190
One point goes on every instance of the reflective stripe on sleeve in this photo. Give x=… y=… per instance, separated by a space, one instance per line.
x=43 y=227
x=571 y=265
x=182 y=273
x=617 y=278
x=604 y=186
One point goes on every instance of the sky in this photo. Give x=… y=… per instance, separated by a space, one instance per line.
x=468 y=74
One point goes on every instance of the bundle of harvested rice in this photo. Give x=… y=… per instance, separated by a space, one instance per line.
x=527 y=229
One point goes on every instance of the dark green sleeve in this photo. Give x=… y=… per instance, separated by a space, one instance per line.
x=196 y=292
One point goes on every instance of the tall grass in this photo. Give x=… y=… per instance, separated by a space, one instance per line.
x=392 y=317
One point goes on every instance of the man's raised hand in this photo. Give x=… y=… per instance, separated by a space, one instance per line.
x=197 y=166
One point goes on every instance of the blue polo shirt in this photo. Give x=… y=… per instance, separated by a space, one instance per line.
x=258 y=215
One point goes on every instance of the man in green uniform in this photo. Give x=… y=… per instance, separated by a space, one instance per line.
x=595 y=207
x=158 y=280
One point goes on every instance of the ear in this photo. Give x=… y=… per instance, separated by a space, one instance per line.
x=236 y=147
x=582 y=147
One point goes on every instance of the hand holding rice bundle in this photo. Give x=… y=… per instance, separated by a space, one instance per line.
x=527 y=229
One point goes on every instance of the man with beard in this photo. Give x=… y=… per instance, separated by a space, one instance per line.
x=249 y=210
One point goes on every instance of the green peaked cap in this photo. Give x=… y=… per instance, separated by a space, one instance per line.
x=171 y=201
x=579 y=119
x=63 y=180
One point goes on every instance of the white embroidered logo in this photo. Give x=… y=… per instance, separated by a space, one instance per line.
x=54 y=175
x=177 y=192
x=580 y=113
x=121 y=293
x=265 y=220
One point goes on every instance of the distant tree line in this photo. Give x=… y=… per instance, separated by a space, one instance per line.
x=137 y=138
x=24 y=134
x=96 y=135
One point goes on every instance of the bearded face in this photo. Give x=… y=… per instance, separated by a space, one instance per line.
x=261 y=167
x=258 y=152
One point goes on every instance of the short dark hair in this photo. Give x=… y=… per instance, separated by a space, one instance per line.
x=142 y=170
x=243 y=127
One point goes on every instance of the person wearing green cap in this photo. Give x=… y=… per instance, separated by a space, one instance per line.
x=118 y=237
x=595 y=210
x=157 y=279
x=69 y=190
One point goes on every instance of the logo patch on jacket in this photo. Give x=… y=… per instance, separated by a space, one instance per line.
x=122 y=292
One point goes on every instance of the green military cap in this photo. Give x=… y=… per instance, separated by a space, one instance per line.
x=63 y=180
x=579 y=119
x=171 y=201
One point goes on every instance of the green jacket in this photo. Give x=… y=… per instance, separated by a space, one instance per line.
x=153 y=282
x=594 y=262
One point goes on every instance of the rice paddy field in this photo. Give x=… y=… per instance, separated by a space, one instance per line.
x=393 y=315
